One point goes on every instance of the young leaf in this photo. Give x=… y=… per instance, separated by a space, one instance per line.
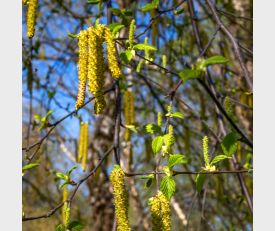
x=62 y=176
x=218 y=159
x=229 y=144
x=70 y=171
x=126 y=56
x=139 y=65
x=215 y=60
x=72 y=35
x=142 y=46
x=117 y=28
x=150 y=6
x=200 y=181
x=177 y=115
x=132 y=128
x=30 y=166
x=157 y=144
x=189 y=74
x=75 y=226
x=116 y=11
x=60 y=227
x=168 y=186
x=175 y=159
x=93 y=1
x=152 y=128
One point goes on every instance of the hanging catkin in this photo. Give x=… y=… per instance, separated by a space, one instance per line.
x=81 y=142
x=64 y=207
x=132 y=33
x=31 y=17
x=160 y=213
x=85 y=137
x=96 y=66
x=82 y=68
x=120 y=199
x=112 y=60
x=129 y=112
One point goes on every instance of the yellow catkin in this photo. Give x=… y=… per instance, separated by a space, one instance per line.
x=132 y=33
x=120 y=199
x=80 y=143
x=129 y=112
x=205 y=150
x=82 y=67
x=31 y=17
x=24 y=2
x=65 y=197
x=85 y=137
x=112 y=60
x=96 y=66
x=160 y=212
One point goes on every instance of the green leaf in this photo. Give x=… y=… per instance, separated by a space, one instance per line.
x=62 y=176
x=75 y=226
x=157 y=144
x=177 y=115
x=218 y=59
x=132 y=128
x=177 y=12
x=93 y=1
x=60 y=227
x=116 y=11
x=30 y=166
x=229 y=144
x=148 y=7
x=63 y=184
x=72 y=35
x=152 y=128
x=70 y=171
x=116 y=28
x=139 y=65
x=175 y=159
x=200 y=181
x=142 y=46
x=126 y=56
x=189 y=74
x=150 y=176
x=168 y=186
x=218 y=159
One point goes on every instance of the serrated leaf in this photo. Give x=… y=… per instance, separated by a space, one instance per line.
x=168 y=186
x=60 y=227
x=189 y=74
x=175 y=159
x=62 y=176
x=75 y=226
x=200 y=181
x=218 y=159
x=152 y=128
x=177 y=115
x=157 y=144
x=229 y=144
x=132 y=128
x=142 y=46
x=30 y=166
x=218 y=59
x=126 y=56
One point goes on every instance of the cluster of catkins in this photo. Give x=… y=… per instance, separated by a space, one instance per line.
x=31 y=16
x=91 y=65
x=159 y=205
